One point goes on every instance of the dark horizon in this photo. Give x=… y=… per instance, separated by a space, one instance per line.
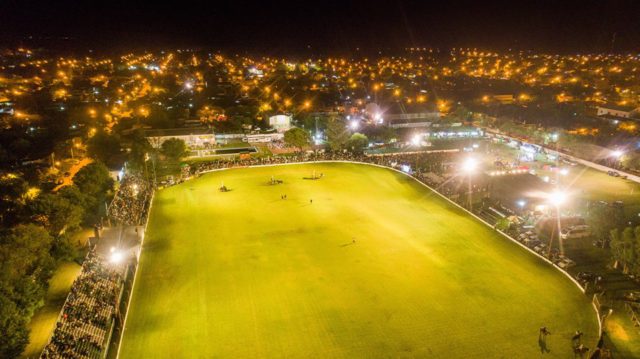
x=285 y=27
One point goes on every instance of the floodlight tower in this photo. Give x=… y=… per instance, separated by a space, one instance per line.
x=557 y=198
x=469 y=167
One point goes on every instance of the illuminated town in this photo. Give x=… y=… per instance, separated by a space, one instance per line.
x=421 y=201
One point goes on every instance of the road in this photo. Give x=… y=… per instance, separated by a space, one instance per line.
x=68 y=180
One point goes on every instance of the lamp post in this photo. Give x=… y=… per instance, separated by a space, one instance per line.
x=468 y=167
x=617 y=155
x=557 y=198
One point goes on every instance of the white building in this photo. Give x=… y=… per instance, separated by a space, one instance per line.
x=194 y=138
x=280 y=123
x=617 y=111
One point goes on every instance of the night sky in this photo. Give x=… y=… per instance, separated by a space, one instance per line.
x=275 y=27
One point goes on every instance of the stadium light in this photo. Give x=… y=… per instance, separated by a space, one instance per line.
x=469 y=165
x=116 y=257
x=557 y=198
x=617 y=154
x=415 y=140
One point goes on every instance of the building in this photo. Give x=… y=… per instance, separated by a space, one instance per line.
x=404 y=116
x=194 y=138
x=618 y=111
x=504 y=99
x=280 y=123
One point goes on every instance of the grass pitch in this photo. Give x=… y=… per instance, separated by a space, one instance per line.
x=246 y=274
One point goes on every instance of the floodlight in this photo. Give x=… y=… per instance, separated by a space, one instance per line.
x=557 y=198
x=116 y=257
x=469 y=165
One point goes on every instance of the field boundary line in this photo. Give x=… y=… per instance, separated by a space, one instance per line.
x=135 y=275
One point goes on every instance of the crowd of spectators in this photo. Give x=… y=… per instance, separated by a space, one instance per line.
x=411 y=163
x=130 y=204
x=421 y=166
x=84 y=324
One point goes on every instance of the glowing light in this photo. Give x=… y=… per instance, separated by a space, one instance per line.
x=469 y=165
x=557 y=198
x=354 y=125
x=617 y=153
x=116 y=257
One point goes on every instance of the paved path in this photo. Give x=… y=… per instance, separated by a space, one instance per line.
x=68 y=180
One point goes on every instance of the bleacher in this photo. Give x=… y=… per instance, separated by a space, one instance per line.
x=84 y=324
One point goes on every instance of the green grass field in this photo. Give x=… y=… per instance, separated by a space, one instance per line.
x=245 y=274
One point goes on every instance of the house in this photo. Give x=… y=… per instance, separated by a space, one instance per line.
x=618 y=111
x=505 y=99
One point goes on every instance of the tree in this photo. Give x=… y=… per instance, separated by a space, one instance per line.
x=603 y=217
x=174 y=149
x=636 y=266
x=140 y=147
x=104 y=147
x=625 y=248
x=297 y=137
x=462 y=113
x=13 y=326
x=25 y=268
x=55 y=213
x=93 y=178
x=12 y=190
x=93 y=183
x=357 y=143
x=337 y=134
x=628 y=249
